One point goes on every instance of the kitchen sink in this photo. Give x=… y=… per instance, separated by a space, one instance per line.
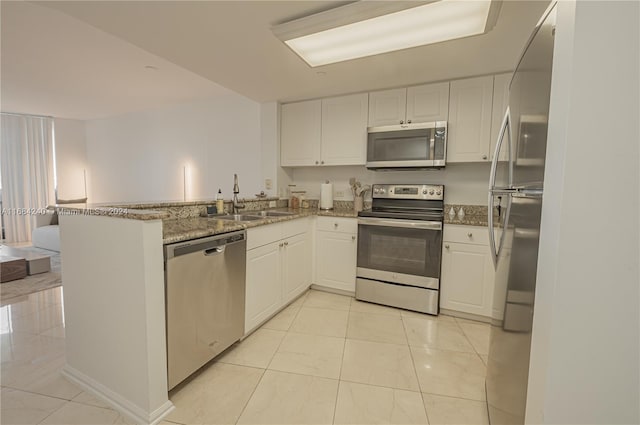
x=272 y=213
x=239 y=217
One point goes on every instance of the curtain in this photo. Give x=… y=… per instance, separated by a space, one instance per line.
x=27 y=172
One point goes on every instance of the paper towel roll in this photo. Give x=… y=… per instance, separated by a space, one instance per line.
x=326 y=196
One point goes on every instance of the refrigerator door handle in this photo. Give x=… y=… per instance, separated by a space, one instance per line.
x=505 y=127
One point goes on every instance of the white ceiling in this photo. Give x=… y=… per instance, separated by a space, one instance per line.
x=226 y=42
x=55 y=65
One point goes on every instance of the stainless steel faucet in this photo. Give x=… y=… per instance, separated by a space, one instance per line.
x=236 y=190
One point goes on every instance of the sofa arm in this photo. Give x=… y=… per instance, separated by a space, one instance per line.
x=44 y=219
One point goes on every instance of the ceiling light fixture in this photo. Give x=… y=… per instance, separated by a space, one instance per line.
x=367 y=28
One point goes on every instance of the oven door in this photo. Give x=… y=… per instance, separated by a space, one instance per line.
x=400 y=251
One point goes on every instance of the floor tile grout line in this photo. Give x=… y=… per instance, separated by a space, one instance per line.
x=413 y=362
x=250 y=396
x=469 y=341
x=453 y=396
x=366 y=384
x=264 y=371
x=280 y=344
x=54 y=411
x=40 y=394
x=301 y=374
x=344 y=349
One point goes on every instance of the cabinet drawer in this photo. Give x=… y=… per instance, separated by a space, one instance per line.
x=338 y=224
x=295 y=227
x=263 y=235
x=476 y=235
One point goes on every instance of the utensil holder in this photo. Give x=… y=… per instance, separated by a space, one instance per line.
x=358 y=203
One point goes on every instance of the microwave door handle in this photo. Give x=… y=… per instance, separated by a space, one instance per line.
x=432 y=146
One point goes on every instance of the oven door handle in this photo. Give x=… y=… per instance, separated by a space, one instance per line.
x=425 y=225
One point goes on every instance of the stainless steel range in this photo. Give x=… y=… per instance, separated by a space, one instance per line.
x=400 y=247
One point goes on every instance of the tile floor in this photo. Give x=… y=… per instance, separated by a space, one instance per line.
x=324 y=359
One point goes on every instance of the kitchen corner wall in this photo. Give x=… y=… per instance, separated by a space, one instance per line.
x=177 y=152
x=465 y=183
x=270 y=135
x=71 y=158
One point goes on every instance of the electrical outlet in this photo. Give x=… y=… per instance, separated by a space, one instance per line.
x=268 y=184
x=339 y=193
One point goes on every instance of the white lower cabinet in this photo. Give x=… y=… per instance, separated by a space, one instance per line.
x=467 y=271
x=278 y=271
x=263 y=284
x=336 y=253
x=296 y=267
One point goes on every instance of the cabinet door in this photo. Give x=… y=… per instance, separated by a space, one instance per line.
x=427 y=103
x=300 y=133
x=500 y=102
x=387 y=107
x=336 y=260
x=344 y=130
x=469 y=128
x=264 y=284
x=296 y=268
x=467 y=279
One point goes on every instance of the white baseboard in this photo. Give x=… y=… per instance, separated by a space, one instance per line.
x=116 y=401
x=333 y=290
x=462 y=315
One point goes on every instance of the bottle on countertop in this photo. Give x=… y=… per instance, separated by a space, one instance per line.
x=219 y=202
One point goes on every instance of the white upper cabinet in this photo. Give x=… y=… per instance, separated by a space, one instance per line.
x=333 y=131
x=300 y=133
x=427 y=103
x=330 y=131
x=387 y=107
x=469 y=127
x=344 y=130
x=500 y=103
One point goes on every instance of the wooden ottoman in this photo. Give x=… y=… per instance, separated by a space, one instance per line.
x=36 y=262
x=12 y=268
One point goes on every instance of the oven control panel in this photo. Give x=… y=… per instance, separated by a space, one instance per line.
x=408 y=191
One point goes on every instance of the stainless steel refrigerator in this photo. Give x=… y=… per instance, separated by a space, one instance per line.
x=516 y=191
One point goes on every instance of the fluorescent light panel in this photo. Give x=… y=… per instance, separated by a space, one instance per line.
x=431 y=23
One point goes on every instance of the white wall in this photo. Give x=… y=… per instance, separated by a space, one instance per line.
x=71 y=158
x=270 y=135
x=115 y=312
x=464 y=183
x=142 y=156
x=585 y=350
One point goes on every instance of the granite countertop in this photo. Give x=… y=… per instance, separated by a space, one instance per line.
x=474 y=215
x=178 y=230
x=112 y=211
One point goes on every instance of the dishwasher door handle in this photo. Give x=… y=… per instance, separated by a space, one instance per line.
x=216 y=250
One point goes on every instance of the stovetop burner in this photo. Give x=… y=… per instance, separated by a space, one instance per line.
x=407 y=202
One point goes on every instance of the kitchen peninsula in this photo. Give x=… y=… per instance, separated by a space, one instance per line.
x=115 y=294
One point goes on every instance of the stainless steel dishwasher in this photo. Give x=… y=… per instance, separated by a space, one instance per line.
x=205 y=293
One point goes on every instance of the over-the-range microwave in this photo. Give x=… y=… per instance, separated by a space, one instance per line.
x=407 y=146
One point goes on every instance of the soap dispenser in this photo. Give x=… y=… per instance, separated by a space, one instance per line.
x=219 y=202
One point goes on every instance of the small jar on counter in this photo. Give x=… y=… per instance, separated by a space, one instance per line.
x=297 y=199
x=294 y=202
